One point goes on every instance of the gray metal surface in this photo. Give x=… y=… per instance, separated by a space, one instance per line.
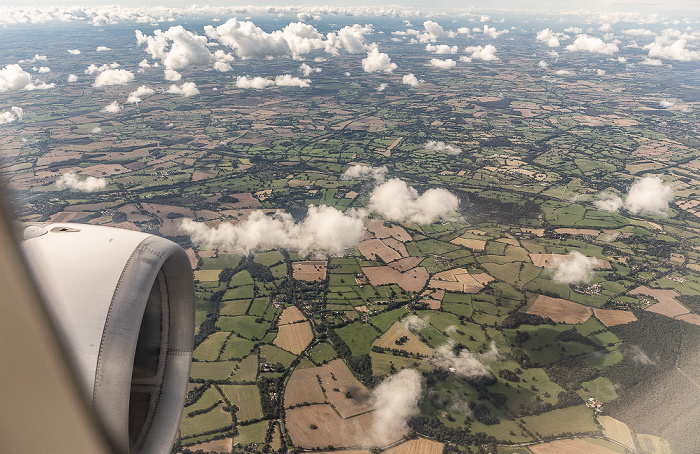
x=102 y=286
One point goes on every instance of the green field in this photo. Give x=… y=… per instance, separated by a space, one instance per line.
x=246 y=398
x=358 y=337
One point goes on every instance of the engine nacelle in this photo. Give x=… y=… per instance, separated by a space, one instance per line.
x=123 y=302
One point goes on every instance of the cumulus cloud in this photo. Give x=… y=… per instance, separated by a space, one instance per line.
x=485 y=53
x=396 y=201
x=96 y=130
x=113 y=107
x=70 y=180
x=177 y=48
x=94 y=69
x=434 y=29
x=72 y=78
x=442 y=146
x=363 y=172
x=651 y=62
x=491 y=31
x=43 y=69
x=102 y=48
x=172 y=75
x=443 y=64
x=13 y=77
x=113 y=77
x=377 y=61
x=351 y=38
x=382 y=87
x=74 y=51
x=675 y=50
x=548 y=37
x=649 y=195
x=286 y=80
x=307 y=70
x=14 y=114
x=543 y=64
x=493 y=354
x=325 y=230
x=396 y=401
x=463 y=363
x=573 y=268
x=608 y=201
x=137 y=95
x=413 y=323
x=441 y=49
x=592 y=44
x=187 y=89
x=35 y=59
x=410 y=79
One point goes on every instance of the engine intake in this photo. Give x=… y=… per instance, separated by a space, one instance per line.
x=123 y=302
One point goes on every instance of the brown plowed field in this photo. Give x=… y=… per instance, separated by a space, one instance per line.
x=667 y=304
x=559 y=310
x=336 y=375
x=291 y=314
x=690 y=318
x=371 y=249
x=611 y=317
x=303 y=387
x=406 y=264
x=381 y=230
x=330 y=428
x=412 y=280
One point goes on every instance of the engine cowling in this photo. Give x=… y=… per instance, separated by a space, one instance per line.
x=123 y=302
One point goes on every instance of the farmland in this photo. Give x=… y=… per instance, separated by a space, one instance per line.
x=298 y=325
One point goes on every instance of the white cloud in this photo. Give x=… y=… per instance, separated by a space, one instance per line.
x=649 y=195
x=74 y=51
x=171 y=75
x=382 y=87
x=666 y=103
x=562 y=72
x=442 y=146
x=39 y=86
x=307 y=70
x=592 y=44
x=441 y=49
x=286 y=80
x=113 y=77
x=185 y=48
x=638 y=32
x=492 y=32
x=396 y=401
x=143 y=64
x=574 y=30
x=43 y=70
x=377 y=61
x=543 y=64
x=608 y=201
x=113 y=107
x=70 y=180
x=72 y=78
x=325 y=230
x=463 y=363
x=485 y=53
x=433 y=31
x=651 y=62
x=96 y=130
x=137 y=95
x=396 y=201
x=13 y=77
x=573 y=268
x=364 y=172
x=102 y=49
x=410 y=79
x=187 y=89
x=548 y=37
x=675 y=50
x=35 y=59
x=443 y=64
x=94 y=69
x=413 y=323
x=352 y=38
x=222 y=67
x=14 y=114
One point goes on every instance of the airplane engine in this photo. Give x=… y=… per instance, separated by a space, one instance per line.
x=123 y=302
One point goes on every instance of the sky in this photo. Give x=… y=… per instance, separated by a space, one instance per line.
x=511 y=5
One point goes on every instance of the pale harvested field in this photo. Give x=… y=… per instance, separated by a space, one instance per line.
x=221 y=445
x=477 y=245
x=690 y=318
x=667 y=304
x=294 y=337
x=412 y=280
x=67 y=216
x=100 y=170
x=162 y=211
x=351 y=451
x=396 y=245
x=536 y=232
x=310 y=270
x=245 y=200
x=192 y=256
x=576 y=446
x=207 y=275
x=303 y=387
x=560 y=310
x=417 y=446
x=549 y=260
x=617 y=430
x=381 y=230
x=291 y=314
x=612 y=317
x=459 y=280
x=568 y=231
x=371 y=249
x=406 y=264
x=413 y=343
x=331 y=429
x=336 y=375
x=511 y=241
